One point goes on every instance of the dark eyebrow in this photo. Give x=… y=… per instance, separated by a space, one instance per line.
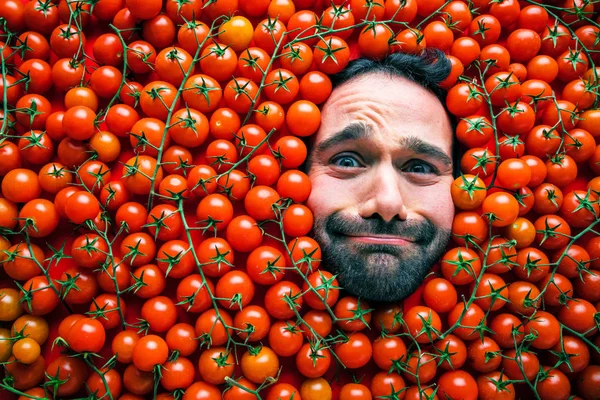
x=359 y=130
x=418 y=146
x=354 y=131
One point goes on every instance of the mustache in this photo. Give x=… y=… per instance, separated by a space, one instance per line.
x=416 y=231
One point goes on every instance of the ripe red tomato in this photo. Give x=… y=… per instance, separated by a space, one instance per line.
x=86 y=335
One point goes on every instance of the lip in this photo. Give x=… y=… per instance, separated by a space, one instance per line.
x=380 y=239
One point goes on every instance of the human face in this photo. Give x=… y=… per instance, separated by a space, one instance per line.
x=381 y=171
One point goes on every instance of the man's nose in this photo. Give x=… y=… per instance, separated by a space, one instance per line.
x=384 y=195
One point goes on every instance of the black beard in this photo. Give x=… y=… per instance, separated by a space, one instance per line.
x=379 y=272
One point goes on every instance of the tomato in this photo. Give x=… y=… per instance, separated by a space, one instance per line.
x=485 y=29
x=26 y=351
x=552 y=232
x=81 y=206
x=410 y=40
x=387 y=351
x=316 y=324
x=491 y=292
x=215 y=256
x=39 y=296
x=356 y=351
x=283 y=299
x=484 y=355
x=180 y=337
x=86 y=335
x=297 y=220
x=331 y=54
x=177 y=374
x=237 y=33
x=573 y=349
x=72 y=370
x=438 y=35
x=293 y=184
x=157 y=98
x=253 y=323
x=500 y=208
x=457 y=384
x=108 y=382
x=468 y=192
x=141 y=56
x=461 y=265
x=500 y=255
x=474 y=131
x=221 y=153
x=147 y=135
x=473 y=318
x=214 y=327
x=21 y=185
x=313 y=360
x=469 y=227
x=26 y=376
x=243 y=234
x=508 y=330
x=283 y=391
x=122 y=345
x=423 y=324
x=31 y=327
x=420 y=367
x=588 y=380
x=193 y=293
x=137 y=381
x=254 y=63
x=553 y=383
x=493 y=385
x=259 y=202
x=138 y=172
x=235 y=184
x=108 y=309
x=440 y=295
x=160 y=313
x=521 y=231
x=150 y=351
x=545 y=328
x=265 y=265
x=78 y=122
x=33 y=393
x=215 y=365
x=578 y=314
x=218 y=61
x=463 y=100
x=523 y=297
x=160 y=32
x=242 y=393
x=259 y=365
x=465 y=49
x=22 y=261
x=65 y=40
x=285 y=338
x=78 y=287
x=172 y=63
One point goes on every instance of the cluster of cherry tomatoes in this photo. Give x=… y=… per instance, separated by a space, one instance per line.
x=153 y=237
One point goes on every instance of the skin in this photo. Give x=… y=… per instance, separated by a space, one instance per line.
x=381 y=169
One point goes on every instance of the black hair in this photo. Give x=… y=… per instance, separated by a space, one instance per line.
x=427 y=68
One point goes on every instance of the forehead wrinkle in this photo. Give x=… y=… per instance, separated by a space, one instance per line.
x=370 y=111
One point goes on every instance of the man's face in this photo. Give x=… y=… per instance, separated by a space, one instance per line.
x=381 y=171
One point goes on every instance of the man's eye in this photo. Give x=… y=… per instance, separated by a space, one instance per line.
x=346 y=161
x=419 y=167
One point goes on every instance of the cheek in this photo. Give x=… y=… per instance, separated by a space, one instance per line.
x=328 y=195
x=437 y=206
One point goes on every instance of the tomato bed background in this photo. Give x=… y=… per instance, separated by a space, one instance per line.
x=585 y=174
